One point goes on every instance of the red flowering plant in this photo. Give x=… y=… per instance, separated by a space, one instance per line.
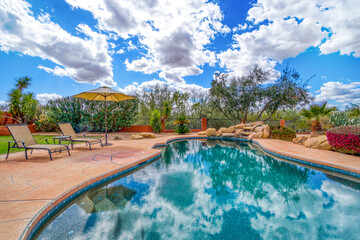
x=345 y=139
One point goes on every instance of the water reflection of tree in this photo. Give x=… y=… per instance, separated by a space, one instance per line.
x=249 y=172
x=234 y=165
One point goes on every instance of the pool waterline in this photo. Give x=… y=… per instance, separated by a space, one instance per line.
x=168 y=195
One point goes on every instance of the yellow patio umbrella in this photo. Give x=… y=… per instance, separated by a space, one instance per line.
x=104 y=94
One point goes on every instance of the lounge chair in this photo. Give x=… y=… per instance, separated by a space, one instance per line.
x=24 y=139
x=67 y=130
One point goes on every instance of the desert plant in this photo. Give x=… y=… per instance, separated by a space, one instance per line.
x=155 y=121
x=282 y=133
x=315 y=112
x=22 y=106
x=343 y=119
x=181 y=120
x=345 y=139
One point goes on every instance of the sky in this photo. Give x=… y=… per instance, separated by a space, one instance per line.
x=71 y=46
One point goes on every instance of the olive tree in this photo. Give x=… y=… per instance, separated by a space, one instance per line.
x=256 y=93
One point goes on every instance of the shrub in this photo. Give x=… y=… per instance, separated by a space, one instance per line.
x=90 y=115
x=282 y=133
x=155 y=121
x=44 y=124
x=182 y=129
x=181 y=120
x=342 y=119
x=345 y=139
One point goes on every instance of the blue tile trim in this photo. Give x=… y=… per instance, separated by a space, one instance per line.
x=62 y=204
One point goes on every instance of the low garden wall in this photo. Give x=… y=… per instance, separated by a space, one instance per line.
x=5 y=132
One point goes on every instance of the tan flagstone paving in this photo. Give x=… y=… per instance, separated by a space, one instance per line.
x=27 y=186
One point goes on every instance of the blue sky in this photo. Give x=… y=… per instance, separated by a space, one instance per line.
x=70 y=46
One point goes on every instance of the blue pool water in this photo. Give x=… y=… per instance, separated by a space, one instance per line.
x=214 y=189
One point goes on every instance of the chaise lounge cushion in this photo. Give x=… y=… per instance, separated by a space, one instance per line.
x=51 y=147
x=91 y=140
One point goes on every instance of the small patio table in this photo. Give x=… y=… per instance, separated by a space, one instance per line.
x=62 y=138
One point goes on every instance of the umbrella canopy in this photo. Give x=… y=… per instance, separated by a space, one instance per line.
x=104 y=94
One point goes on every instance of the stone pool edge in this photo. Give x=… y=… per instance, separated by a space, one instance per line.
x=52 y=208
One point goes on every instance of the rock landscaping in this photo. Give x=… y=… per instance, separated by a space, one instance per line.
x=248 y=131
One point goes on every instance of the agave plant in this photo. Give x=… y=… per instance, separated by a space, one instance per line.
x=315 y=112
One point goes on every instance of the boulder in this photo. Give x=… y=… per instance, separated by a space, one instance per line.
x=248 y=125
x=218 y=133
x=254 y=135
x=325 y=146
x=245 y=133
x=210 y=132
x=259 y=129
x=314 y=134
x=259 y=123
x=227 y=130
x=240 y=126
x=228 y=134
x=202 y=133
x=266 y=131
x=316 y=142
x=238 y=132
x=148 y=135
x=136 y=137
x=300 y=140
x=248 y=128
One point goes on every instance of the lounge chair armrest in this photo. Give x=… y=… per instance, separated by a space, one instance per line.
x=16 y=143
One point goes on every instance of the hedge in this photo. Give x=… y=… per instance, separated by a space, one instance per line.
x=282 y=133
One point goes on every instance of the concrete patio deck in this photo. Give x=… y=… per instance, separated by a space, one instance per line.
x=38 y=184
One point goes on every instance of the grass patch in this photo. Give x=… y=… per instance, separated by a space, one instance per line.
x=40 y=139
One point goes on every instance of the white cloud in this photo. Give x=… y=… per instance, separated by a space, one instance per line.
x=173 y=33
x=84 y=60
x=339 y=92
x=43 y=98
x=270 y=44
x=288 y=28
x=184 y=87
x=323 y=77
x=341 y=18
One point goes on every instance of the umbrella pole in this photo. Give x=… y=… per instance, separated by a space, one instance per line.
x=105 y=122
x=106 y=142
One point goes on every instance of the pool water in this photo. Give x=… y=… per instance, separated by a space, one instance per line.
x=214 y=189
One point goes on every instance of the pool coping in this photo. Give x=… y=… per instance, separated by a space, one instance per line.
x=58 y=203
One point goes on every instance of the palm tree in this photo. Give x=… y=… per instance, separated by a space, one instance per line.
x=315 y=113
x=23 y=82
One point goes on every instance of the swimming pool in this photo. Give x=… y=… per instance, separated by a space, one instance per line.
x=213 y=189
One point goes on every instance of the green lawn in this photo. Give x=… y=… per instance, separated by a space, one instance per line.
x=40 y=139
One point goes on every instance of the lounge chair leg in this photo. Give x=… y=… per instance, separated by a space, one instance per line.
x=50 y=155
x=31 y=151
x=68 y=150
x=89 y=146
x=101 y=143
x=7 y=155
x=72 y=145
x=26 y=154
